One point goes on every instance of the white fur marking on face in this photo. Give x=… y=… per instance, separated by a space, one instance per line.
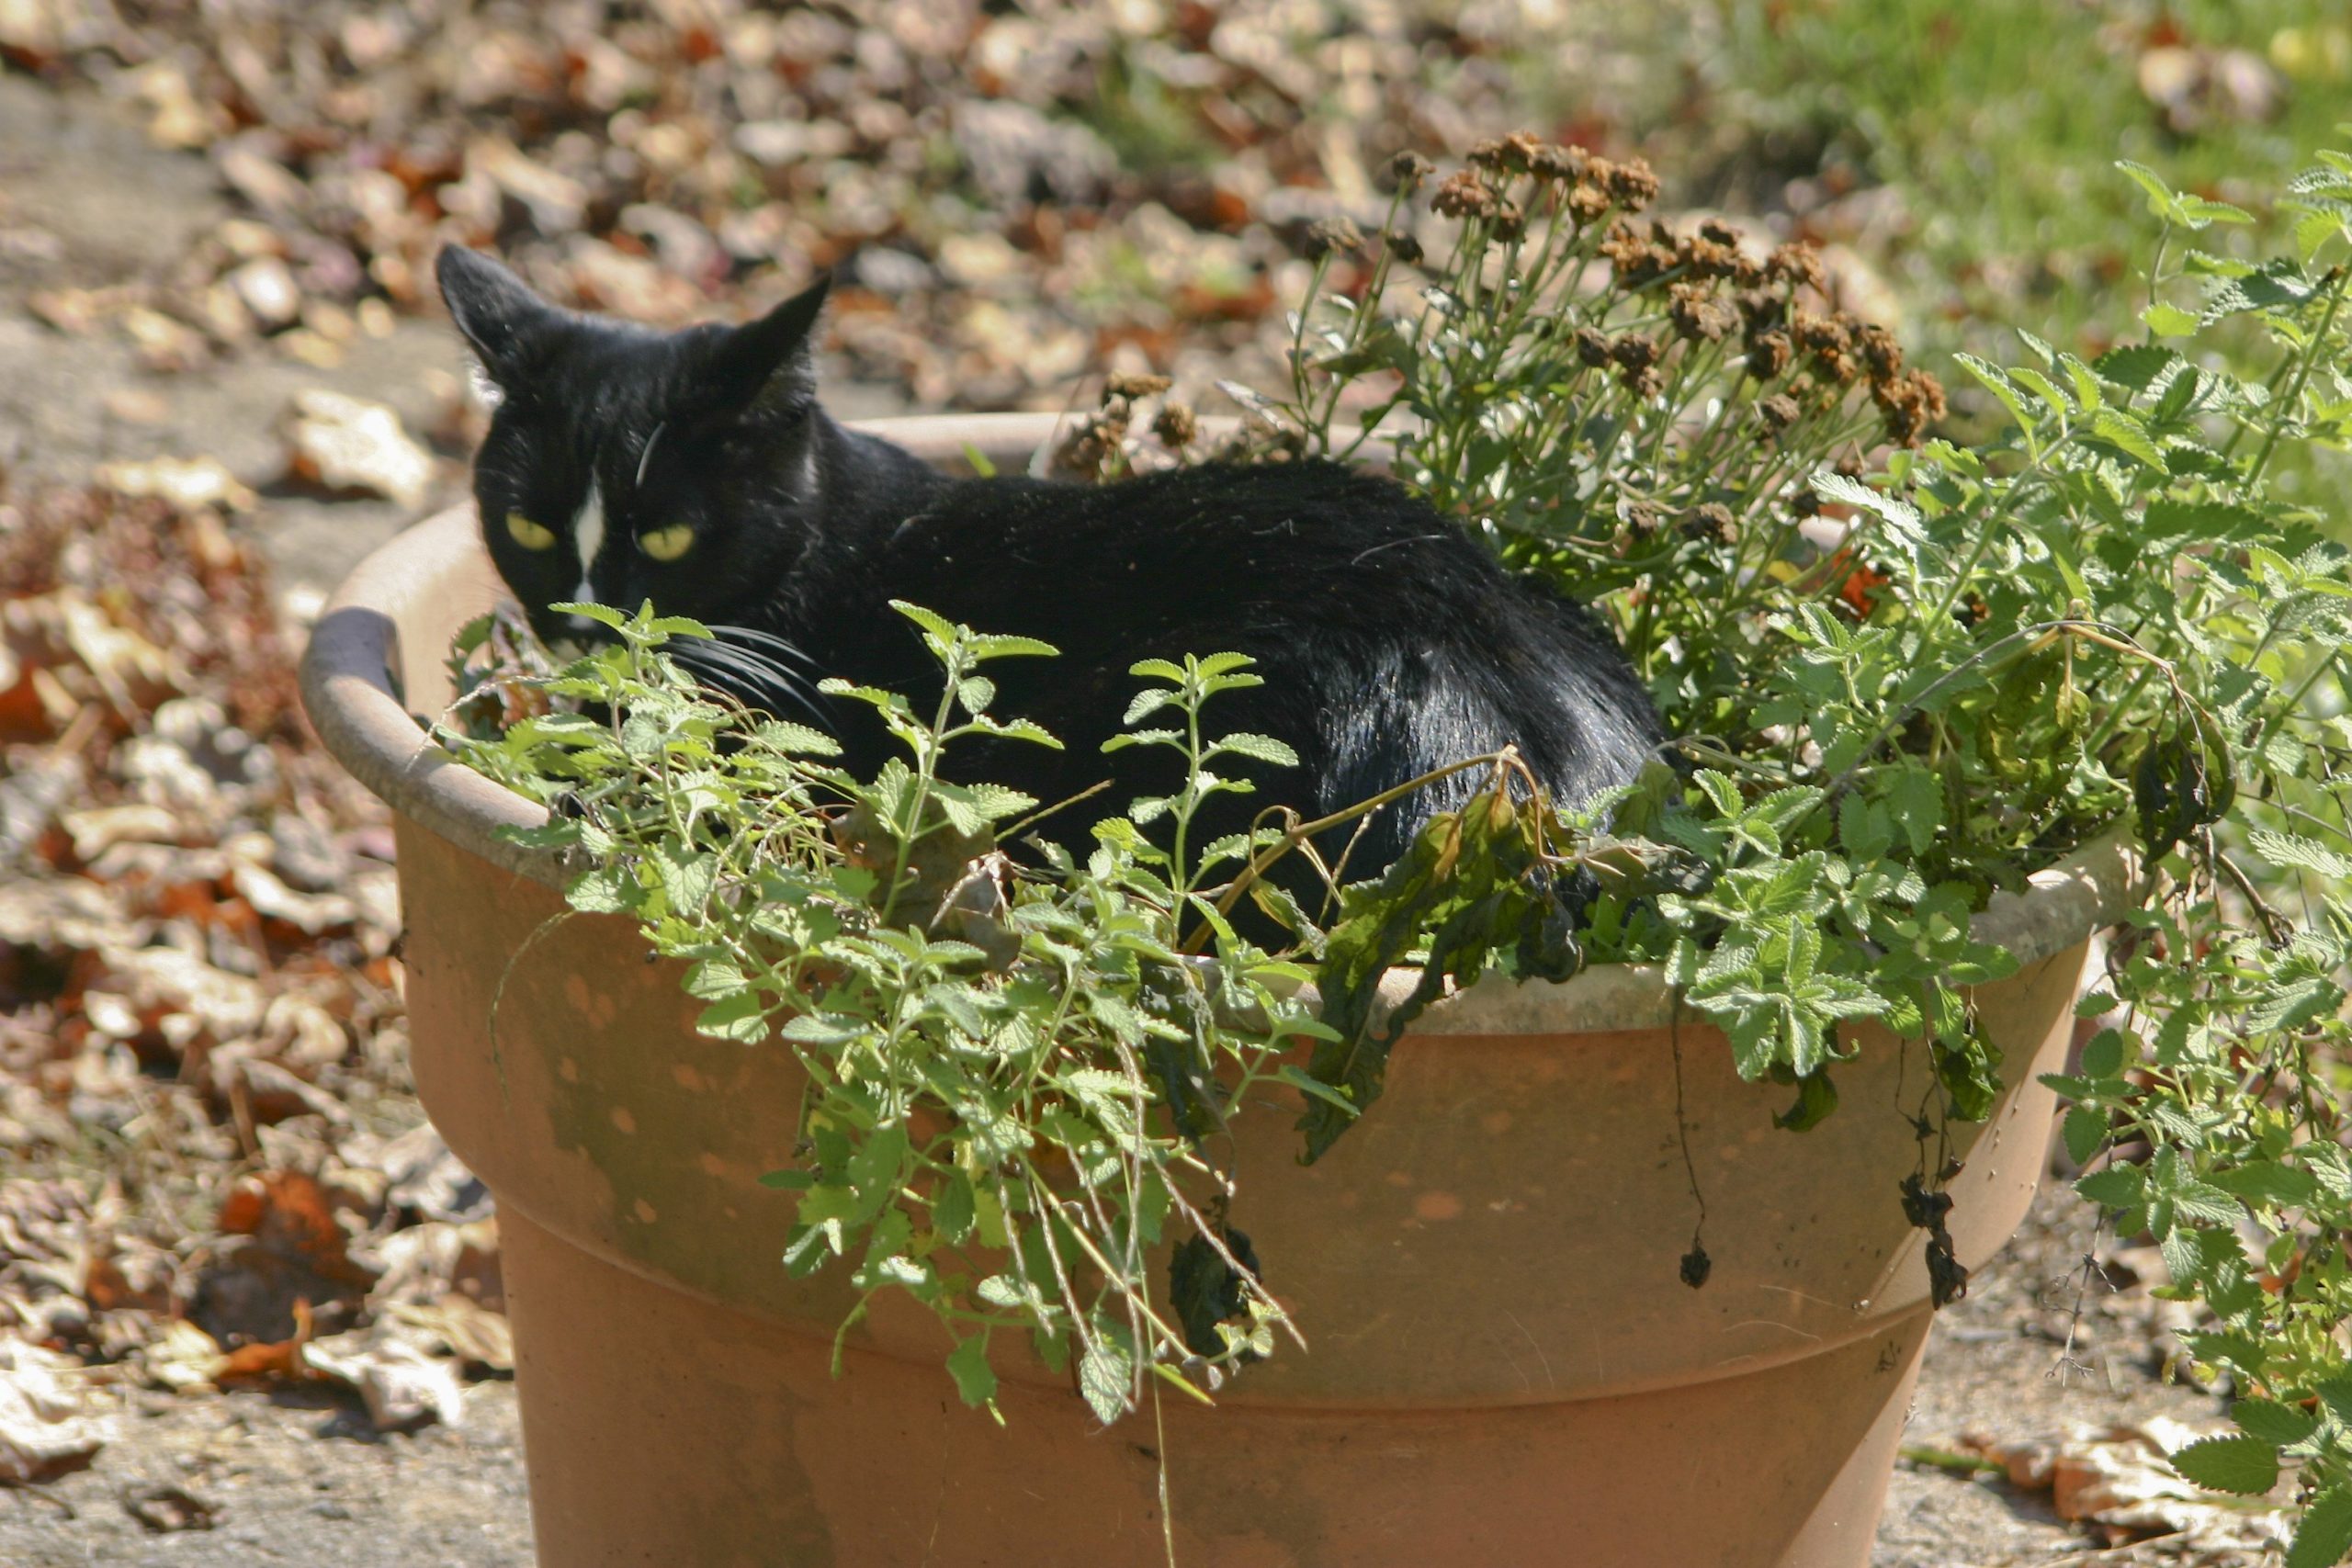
x=588 y=534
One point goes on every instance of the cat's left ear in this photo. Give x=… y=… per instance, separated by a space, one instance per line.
x=496 y=310
x=769 y=364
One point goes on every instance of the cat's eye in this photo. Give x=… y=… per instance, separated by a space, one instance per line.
x=529 y=534
x=667 y=544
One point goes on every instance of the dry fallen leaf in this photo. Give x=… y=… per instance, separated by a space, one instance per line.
x=46 y=1428
x=349 y=444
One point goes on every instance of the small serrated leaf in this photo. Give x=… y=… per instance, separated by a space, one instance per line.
x=2244 y=1465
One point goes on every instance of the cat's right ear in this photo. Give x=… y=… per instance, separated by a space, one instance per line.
x=496 y=310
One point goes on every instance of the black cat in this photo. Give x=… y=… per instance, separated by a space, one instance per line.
x=694 y=470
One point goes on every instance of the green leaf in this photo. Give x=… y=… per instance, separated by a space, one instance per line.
x=2283 y=1425
x=2170 y=320
x=2325 y=1534
x=1259 y=747
x=968 y=1364
x=2246 y=1466
x=1103 y=1378
x=2086 y=1133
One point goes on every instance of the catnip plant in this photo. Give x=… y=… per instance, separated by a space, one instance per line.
x=2126 y=612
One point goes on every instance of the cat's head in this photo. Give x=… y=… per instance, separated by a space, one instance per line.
x=625 y=463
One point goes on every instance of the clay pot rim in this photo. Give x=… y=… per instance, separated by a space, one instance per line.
x=350 y=693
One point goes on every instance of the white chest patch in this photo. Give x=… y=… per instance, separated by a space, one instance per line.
x=588 y=536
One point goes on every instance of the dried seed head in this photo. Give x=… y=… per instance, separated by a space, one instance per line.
x=1712 y=523
x=1403 y=246
x=1646 y=384
x=1409 y=169
x=1463 y=195
x=1176 y=426
x=1720 y=232
x=1513 y=155
x=1778 y=411
x=1327 y=236
x=1552 y=162
x=1768 y=354
x=1907 y=404
x=1510 y=221
x=1634 y=352
x=1586 y=201
x=1797 y=264
x=1880 y=351
x=1124 y=385
x=1762 y=309
x=1592 y=345
x=1633 y=183
x=1696 y=312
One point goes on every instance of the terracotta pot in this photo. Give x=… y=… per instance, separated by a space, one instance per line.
x=1505 y=1366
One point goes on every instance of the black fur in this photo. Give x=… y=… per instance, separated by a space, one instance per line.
x=1391 y=641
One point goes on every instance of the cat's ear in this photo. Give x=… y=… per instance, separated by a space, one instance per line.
x=769 y=364
x=496 y=310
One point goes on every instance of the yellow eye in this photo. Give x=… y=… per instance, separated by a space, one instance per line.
x=529 y=534
x=667 y=544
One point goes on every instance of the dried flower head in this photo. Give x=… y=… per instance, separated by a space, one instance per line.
x=1176 y=426
x=1907 y=404
x=1512 y=155
x=1463 y=195
x=1125 y=384
x=1327 y=236
x=1409 y=169
x=1553 y=162
x=1634 y=352
x=1697 y=313
x=1880 y=351
x=1510 y=221
x=1712 y=522
x=1592 y=345
x=1797 y=264
x=1403 y=246
x=1762 y=308
x=1646 y=384
x=1633 y=183
x=1778 y=413
x=1768 y=354
x=1587 y=200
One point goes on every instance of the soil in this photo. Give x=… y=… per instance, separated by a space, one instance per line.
x=302 y=1478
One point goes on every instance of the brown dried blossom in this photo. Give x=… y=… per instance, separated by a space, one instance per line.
x=1332 y=236
x=1510 y=221
x=1592 y=345
x=1409 y=169
x=1646 y=384
x=1176 y=426
x=1586 y=201
x=1698 y=313
x=1635 y=351
x=1908 y=405
x=1878 y=350
x=1512 y=155
x=1768 y=354
x=1795 y=264
x=1778 y=413
x=1403 y=246
x=1463 y=195
x=1127 y=384
x=1828 y=340
x=1712 y=523
x=1553 y=161
x=1632 y=183
x=1762 y=309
